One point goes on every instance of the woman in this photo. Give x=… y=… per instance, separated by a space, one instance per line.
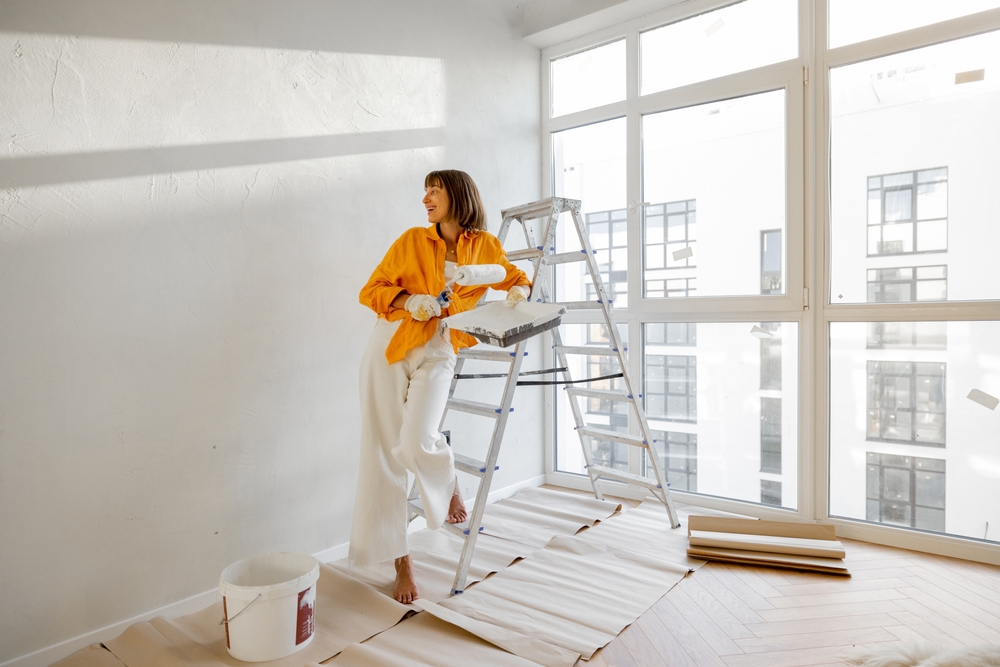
x=407 y=369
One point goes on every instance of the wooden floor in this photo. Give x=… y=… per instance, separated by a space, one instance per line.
x=737 y=616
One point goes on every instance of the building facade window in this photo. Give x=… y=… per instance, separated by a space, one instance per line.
x=669 y=228
x=672 y=333
x=908 y=283
x=679 y=455
x=908 y=212
x=770 y=356
x=608 y=233
x=906 y=491
x=671 y=287
x=906 y=402
x=770 y=434
x=907 y=335
x=770 y=492
x=770 y=262
x=671 y=387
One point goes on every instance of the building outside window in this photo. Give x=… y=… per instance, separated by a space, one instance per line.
x=908 y=212
x=770 y=492
x=679 y=454
x=908 y=335
x=770 y=434
x=908 y=283
x=671 y=387
x=770 y=356
x=770 y=262
x=906 y=402
x=609 y=238
x=906 y=491
x=671 y=333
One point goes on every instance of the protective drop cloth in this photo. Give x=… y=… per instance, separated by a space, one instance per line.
x=536 y=515
x=645 y=530
x=426 y=641
x=94 y=655
x=347 y=611
x=574 y=594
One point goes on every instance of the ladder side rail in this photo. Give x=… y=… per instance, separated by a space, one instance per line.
x=493 y=453
x=630 y=385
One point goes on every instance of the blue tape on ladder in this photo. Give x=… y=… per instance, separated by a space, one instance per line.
x=456 y=592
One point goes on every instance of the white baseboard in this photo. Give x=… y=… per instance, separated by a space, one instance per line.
x=46 y=656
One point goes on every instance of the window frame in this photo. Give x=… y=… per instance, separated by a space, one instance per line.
x=807 y=299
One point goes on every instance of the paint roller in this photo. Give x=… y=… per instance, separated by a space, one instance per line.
x=472 y=275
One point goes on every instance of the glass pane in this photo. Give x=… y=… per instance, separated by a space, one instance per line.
x=904 y=433
x=599 y=412
x=588 y=163
x=857 y=20
x=912 y=173
x=718 y=170
x=733 y=39
x=708 y=393
x=589 y=79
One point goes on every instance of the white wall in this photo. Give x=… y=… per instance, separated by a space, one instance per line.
x=191 y=196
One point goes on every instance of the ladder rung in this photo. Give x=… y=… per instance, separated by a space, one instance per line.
x=471 y=465
x=535 y=209
x=588 y=350
x=460 y=529
x=624 y=438
x=486 y=355
x=565 y=257
x=581 y=305
x=474 y=407
x=530 y=253
x=598 y=393
x=627 y=477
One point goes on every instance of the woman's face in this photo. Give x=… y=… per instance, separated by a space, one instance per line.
x=437 y=203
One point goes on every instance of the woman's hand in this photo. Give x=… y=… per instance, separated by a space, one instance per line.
x=516 y=294
x=423 y=307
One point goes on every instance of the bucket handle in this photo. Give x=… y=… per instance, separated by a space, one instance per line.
x=226 y=621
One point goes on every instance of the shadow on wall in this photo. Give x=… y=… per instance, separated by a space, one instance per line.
x=94 y=166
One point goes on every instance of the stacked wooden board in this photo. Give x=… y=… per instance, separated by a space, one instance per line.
x=799 y=546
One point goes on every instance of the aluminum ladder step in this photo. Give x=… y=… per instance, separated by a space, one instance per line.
x=586 y=349
x=529 y=253
x=626 y=477
x=475 y=407
x=599 y=393
x=624 y=438
x=471 y=465
x=581 y=305
x=461 y=529
x=536 y=209
x=485 y=355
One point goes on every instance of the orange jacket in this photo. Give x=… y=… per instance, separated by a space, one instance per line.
x=415 y=263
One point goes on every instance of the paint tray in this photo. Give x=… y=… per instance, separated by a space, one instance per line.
x=498 y=324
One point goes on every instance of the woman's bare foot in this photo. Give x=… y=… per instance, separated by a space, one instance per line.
x=456 y=510
x=405 y=590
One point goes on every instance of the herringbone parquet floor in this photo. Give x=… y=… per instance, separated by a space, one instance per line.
x=735 y=616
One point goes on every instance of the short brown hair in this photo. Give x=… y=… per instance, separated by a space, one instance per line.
x=465 y=203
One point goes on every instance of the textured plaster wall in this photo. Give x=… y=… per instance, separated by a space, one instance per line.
x=191 y=196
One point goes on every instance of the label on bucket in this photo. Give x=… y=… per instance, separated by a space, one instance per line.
x=305 y=623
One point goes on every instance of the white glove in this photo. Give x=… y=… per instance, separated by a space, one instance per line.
x=423 y=307
x=516 y=294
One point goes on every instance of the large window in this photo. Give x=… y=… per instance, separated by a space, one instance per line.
x=805 y=198
x=679 y=457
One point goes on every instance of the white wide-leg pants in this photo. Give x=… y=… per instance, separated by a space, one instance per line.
x=401 y=408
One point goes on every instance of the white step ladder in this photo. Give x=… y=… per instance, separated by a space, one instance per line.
x=541 y=253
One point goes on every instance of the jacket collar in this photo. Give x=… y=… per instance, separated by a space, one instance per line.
x=432 y=233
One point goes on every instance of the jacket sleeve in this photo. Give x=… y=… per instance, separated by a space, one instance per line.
x=384 y=284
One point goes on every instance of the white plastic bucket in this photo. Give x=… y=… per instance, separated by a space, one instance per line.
x=269 y=605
